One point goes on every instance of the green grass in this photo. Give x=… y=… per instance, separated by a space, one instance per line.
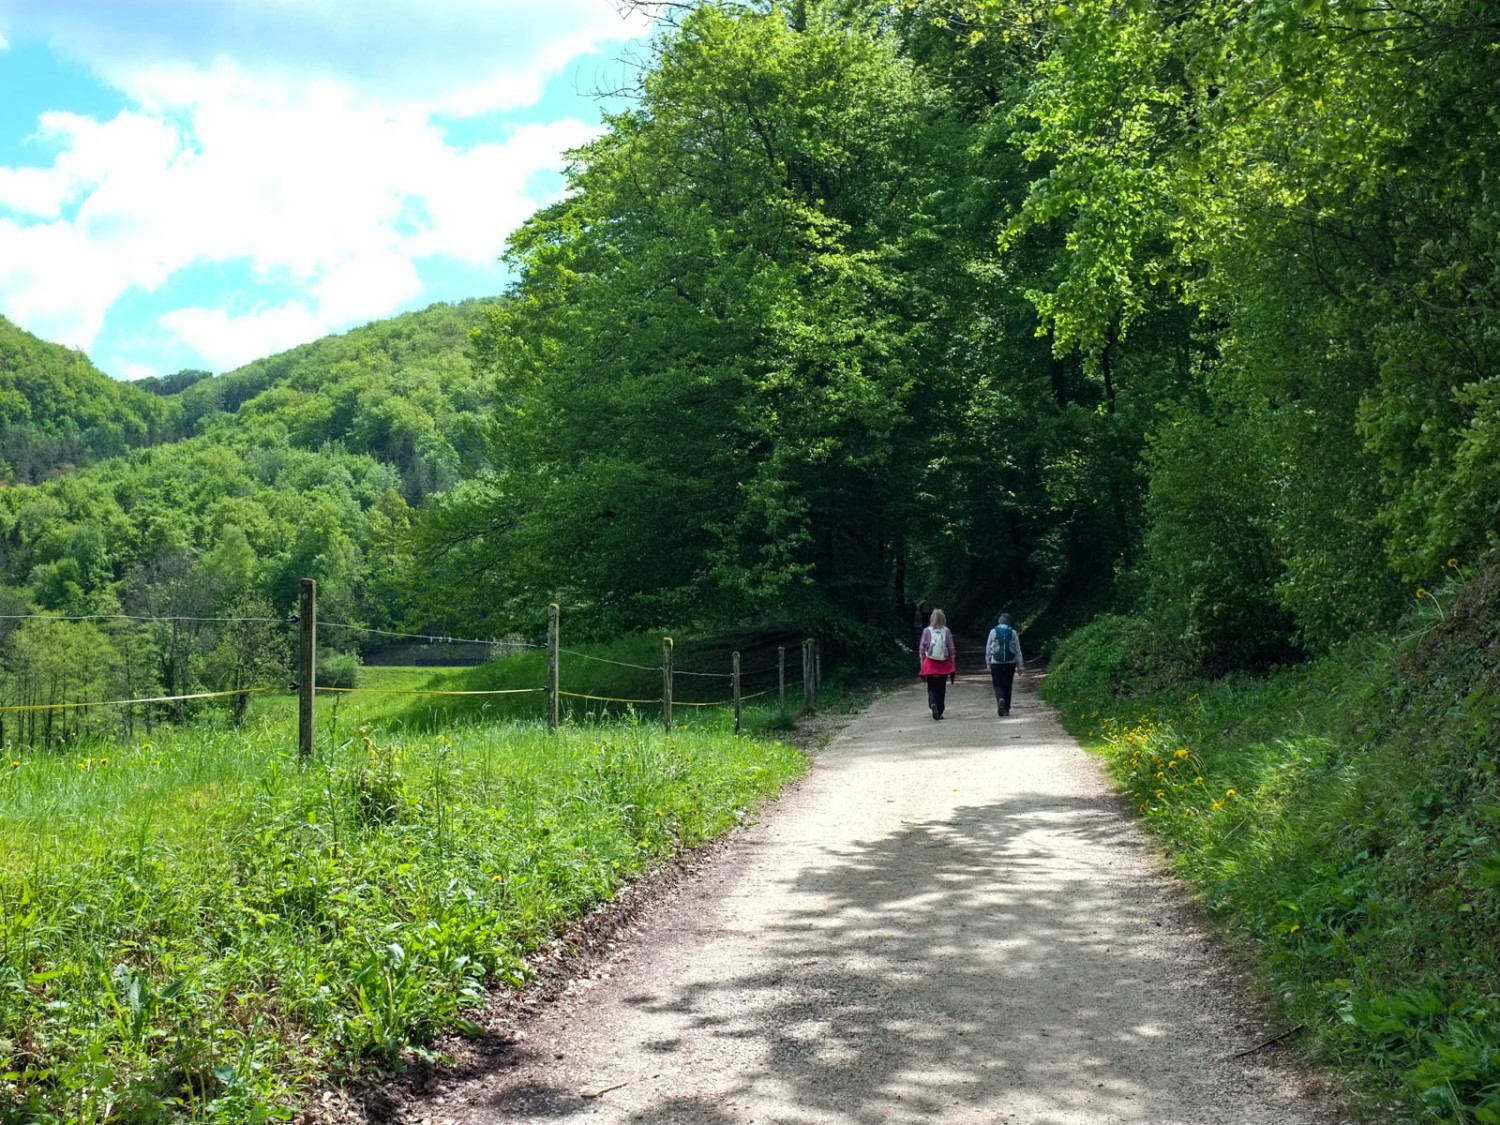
x=1341 y=819
x=198 y=927
x=624 y=674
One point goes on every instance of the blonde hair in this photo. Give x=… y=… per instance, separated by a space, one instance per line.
x=938 y=619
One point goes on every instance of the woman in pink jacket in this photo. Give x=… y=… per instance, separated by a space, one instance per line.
x=938 y=664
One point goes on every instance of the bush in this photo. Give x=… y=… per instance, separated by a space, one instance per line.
x=338 y=669
x=1116 y=655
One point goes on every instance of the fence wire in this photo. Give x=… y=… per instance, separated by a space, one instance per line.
x=798 y=663
x=132 y=702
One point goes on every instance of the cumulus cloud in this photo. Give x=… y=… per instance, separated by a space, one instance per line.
x=246 y=138
x=223 y=338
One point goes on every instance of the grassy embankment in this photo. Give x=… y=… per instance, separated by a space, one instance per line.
x=198 y=927
x=1341 y=818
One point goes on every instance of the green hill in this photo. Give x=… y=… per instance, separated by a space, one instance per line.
x=403 y=391
x=222 y=495
x=59 y=412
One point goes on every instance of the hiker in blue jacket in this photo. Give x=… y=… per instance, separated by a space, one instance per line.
x=1002 y=652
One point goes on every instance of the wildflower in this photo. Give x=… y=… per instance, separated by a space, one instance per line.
x=1183 y=753
x=15 y=765
x=1160 y=793
x=1452 y=564
x=1294 y=929
x=1198 y=780
x=1421 y=592
x=1218 y=805
x=1229 y=792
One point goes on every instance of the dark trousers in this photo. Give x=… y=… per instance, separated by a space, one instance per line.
x=937 y=692
x=1003 y=675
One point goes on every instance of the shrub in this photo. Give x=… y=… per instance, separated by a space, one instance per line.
x=338 y=669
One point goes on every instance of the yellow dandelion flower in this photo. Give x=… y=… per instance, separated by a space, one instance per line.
x=1421 y=592
x=1452 y=564
x=1183 y=753
x=1218 y=804
x=1197 y=781
x=1229 y=792
x=1159 y=793
x=1294 y=929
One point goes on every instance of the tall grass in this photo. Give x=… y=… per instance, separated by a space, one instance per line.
x=199 y=927
x=1342 y=819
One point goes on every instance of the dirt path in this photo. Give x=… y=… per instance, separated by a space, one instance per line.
x=949 y=922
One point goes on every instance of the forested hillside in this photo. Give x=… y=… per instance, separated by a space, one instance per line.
x=308 y=464
x=58 y=411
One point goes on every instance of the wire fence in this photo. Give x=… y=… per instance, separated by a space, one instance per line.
x=40 y=705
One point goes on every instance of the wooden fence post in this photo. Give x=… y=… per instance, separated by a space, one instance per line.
x=781 y=677
x=807 y=672
x=736 y=677
x=817 y=670
x=307 y=660
x=666 y=683
x=554 y=666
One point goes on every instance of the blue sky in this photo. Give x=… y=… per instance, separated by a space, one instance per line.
x=197 y=183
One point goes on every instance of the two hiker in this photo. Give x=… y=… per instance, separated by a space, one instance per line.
x=1002 y=654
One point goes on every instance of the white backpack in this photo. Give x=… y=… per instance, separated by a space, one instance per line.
x=937 y=648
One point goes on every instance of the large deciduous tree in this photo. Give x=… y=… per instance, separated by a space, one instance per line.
x=707 y=368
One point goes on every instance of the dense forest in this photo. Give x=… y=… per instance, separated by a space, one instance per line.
x=1191 y=306
x=1187 y=309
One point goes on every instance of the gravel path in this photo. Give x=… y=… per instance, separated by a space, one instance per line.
x=946 y=921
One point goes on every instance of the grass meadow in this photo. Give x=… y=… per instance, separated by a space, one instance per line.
x=196 y=926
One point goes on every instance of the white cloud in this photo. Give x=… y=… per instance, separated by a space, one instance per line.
x=4 y=46
x=133 y=371
x=226 y=340
x=332 y=185
x=56 y=282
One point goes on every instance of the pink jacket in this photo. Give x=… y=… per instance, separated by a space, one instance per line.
x=931 y=667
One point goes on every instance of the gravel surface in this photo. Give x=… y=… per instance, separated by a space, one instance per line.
x=945 y=921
